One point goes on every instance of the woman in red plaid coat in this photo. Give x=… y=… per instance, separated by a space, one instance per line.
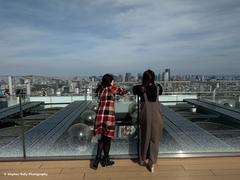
x=105 y=119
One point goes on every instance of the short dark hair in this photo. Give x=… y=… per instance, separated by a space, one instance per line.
x=148 y=77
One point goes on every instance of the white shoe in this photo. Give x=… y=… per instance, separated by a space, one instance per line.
x=141 y=163
x=151 y=168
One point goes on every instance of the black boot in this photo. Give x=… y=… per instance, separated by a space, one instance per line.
x=106 y=162
x=95 y=163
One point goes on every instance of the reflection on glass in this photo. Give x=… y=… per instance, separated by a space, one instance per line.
x=88 y=117
x=79 y=136
x=93 y=106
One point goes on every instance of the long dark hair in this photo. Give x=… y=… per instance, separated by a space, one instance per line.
x=148 y=78
x=106 y=82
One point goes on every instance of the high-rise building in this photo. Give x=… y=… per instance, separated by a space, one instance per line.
x=128 y=77
x=28 y=86
x=120 y=78
x=159 y=77
x=139 y=78
x=10 y=85
x=167 y=74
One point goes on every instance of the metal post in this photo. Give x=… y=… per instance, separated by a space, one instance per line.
x=22 y=125
x=85 y=94
x=138 y=128
x=214 y=95
x=237 y=101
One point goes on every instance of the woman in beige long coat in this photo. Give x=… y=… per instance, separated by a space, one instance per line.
x=151 y=122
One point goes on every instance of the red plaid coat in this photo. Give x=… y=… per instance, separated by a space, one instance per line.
x=105 y=119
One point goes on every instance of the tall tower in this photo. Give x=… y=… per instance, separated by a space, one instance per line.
x=10 y=85
x=167 y=73
x=28 y=84
x=128 y=77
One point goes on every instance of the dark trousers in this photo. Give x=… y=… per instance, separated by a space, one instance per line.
x=104 y=144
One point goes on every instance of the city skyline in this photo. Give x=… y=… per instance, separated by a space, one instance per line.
x=124 y=74
x=130 y=77
x=81 y=38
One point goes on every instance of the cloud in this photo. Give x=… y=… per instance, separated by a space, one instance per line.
x=92 y=37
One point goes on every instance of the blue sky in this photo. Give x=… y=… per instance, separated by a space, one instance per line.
x=84 y=37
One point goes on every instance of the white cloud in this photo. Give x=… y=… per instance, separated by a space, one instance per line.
x=121 y=35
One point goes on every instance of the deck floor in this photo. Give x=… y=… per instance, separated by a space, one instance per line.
x=216 y=168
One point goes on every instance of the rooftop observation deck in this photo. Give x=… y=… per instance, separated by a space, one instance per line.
x=192 y=127
x=194 y=135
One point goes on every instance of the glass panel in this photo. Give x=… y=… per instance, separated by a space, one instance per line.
x=69 y=132
x=205 y=122
x=226 y=101
x=47 y=126
x=205 y=125
x=11 y=128
x=126 y=140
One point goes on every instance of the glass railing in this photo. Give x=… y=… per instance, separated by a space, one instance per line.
x=226 y=101
x=63 y=127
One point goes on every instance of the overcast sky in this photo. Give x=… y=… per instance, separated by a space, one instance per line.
x=92 y=37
